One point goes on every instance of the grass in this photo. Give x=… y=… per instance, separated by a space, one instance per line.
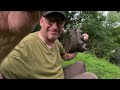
x=100 y=67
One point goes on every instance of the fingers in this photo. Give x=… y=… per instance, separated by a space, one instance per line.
x=23 y=22
x=85 y=36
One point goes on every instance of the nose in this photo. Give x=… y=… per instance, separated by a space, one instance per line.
x=55 y=26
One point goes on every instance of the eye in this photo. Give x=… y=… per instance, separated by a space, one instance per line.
x=51 y=20
x=61 y=23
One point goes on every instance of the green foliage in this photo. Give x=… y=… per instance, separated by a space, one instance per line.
x=116 y=35
x=37 y=28
x=113 y=19
x=100 y=67
x=100 y=42
x=115 y=57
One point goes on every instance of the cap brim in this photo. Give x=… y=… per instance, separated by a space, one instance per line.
x=61 y=12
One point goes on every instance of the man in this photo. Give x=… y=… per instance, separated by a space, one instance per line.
x=39 y=55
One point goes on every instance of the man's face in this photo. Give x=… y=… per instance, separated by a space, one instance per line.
x=52 y=26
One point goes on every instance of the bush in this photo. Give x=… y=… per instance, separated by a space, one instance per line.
x=115 y=57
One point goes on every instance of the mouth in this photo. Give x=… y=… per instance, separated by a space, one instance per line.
x=54 y=33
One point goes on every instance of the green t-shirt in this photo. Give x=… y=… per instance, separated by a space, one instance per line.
x=32 y=59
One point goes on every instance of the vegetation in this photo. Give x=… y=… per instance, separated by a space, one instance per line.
x=101 y=67
x=103 y=31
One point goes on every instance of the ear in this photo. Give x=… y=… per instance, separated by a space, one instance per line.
x=41 y=21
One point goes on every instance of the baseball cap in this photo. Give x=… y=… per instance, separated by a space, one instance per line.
x=50 y=12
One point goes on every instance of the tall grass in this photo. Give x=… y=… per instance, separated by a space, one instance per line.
x=100 y=67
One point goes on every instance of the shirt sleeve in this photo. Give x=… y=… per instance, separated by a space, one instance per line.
x=14 y=65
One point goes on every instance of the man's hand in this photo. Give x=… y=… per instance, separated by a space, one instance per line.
x=68 y=56
x=85 y=36
x=14 y=26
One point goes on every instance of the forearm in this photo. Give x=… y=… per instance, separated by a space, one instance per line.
x=69 y=56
